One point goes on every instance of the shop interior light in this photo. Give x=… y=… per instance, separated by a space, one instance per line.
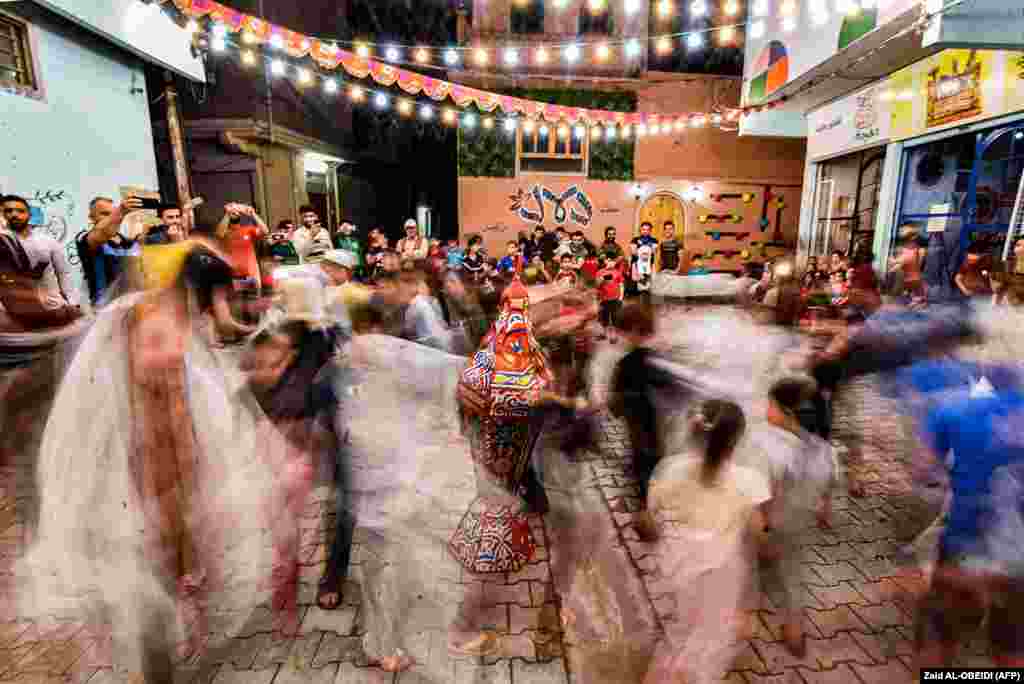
x=488 y=123
x=572 y=53
x=451 y=57
x=595 y=133
x=543 y=131
x=404 y=107
x=698 y=8
x=248 y=57
x=422 y=56
x=449 y=116
x=632 y=48
x=511 y=56
x=694 y=41
x=757 y=29
x=627 y=131
x=277 y=68
x=392 y=54
x=330 y=86
x=276 y=41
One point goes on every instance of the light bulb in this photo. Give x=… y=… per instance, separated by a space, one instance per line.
x=304 y=77
x=356 y=93
x=488 y=123
x=698 y=9
x=732 y=8
x=249 y=38
x=451 y=57
x=641 y=130
x=276 y=41
x=277 y=68
x=330 y=86
x=449 y=116
x=727 y=34
x=664 y=8
x=305 y=45
x=219 y=30
x=248 y=58
x=760 y=8
x=543 y=131
x=572 y=53
x=632 y=48
x=789 y=24
x=631 y=6
x=363 y=51
x=694 y=41
x=595 y=133
x=528 y=126
x=393 y=54
x=563 y=132
x=680 y=125
x=510 y=125
x=404 y=107
x=422 y=55
x=603 y=52
x=664 y=45
x=469 y=121
x=580 y=131
x=609 y=133
x=757 y=29
x=426 y=112
x=626 y=131
x=381 y=100
x=219 y=44
x=511 y=56
x=481 y=56
x=541 y=56
x=192 y=26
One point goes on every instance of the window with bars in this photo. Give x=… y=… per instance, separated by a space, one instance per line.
x=527 y=16
x=15 y=56
x=552 y=149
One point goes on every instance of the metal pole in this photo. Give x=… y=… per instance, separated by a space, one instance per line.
x=178 y=152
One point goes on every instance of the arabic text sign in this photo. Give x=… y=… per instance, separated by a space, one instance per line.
x=533 y=206
x=859 y=120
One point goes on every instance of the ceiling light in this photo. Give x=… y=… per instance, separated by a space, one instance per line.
x=422 y=55
x=393 y=54
x=694 y=41
x=426 y=112
x=451 y=57
x=381 y=100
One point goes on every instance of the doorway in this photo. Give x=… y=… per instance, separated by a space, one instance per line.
x=658 y=209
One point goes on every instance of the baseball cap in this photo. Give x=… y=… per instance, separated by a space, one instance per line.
x=411 y=223
x=340 y=257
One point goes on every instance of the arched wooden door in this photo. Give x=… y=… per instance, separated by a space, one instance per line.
x=658 y=209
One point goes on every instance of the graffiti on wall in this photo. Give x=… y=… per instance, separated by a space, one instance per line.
x=51 y=210
x=573 y=204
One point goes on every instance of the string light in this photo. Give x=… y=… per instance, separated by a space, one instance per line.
x=192 y=26
x=510 y=125
x=304 y=77
x=330 y=86
x=572 y=53
x=249 y=38
x=277 y=68
x=362 y=51
x=543 y=131
x=632 y=48
x=426 y=112
x=392 y=54
x=664 y=8
x=528 y=126
x=580 y=131
x=663 y=46
x=381 y=100
x=603 y=52
x=511 y=56
x=757 y=29
x=451 y=57
x=595 y=132
x=248 y=58
x=422 y=55
x=541 y=56
x=481 y=56
x=698 y=9
x=356 y=93
x=404 y=107
x=219 y=44
x=276 y=41
x=727 y=34
x=488 y=123
x=694 y=41
x=469 y=120
x=449 y=116
x=631 y=6
x=732 y=8
x=219 y=31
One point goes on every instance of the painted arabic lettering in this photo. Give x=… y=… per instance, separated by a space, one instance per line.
x=573 y=204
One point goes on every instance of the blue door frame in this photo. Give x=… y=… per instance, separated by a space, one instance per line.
x=969 y=211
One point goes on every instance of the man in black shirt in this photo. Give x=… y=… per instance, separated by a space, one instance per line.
x=670 y=248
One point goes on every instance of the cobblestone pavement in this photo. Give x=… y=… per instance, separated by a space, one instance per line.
x=856 y=606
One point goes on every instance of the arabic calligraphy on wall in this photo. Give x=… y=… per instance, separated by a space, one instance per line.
x=572 y=205
x=51 y=211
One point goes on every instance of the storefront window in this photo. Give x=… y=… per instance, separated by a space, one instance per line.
x=846 y=204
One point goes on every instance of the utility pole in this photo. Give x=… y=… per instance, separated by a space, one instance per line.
x=178 y=150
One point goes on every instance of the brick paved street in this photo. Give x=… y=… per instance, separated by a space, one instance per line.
x=856 y=610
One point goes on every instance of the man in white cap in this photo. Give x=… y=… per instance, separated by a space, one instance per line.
x=413 y=246
x=334 y=268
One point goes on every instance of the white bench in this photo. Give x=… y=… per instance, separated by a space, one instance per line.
x=685 y=287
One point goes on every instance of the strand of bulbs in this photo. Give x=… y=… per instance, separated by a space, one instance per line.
x=510 y=123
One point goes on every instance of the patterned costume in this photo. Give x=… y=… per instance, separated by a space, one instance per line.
x=497 y=394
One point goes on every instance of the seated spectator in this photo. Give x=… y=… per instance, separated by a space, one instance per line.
x=567 y=275
x=697 y=267
x=511 y=263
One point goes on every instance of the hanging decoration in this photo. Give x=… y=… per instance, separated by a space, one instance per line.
x=253 y=33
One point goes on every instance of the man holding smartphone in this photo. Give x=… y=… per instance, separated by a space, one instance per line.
x=102 y=248
x=240 y=230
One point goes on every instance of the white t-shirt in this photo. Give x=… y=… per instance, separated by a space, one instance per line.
x=803 y=470
x=56 y=288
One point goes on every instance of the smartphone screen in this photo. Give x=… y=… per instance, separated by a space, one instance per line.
x=150 y=202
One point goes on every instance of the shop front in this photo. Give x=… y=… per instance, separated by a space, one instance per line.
x=938 y=146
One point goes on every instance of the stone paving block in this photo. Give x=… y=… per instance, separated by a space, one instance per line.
x=787 y=677
x=335 y=648
x=51 y=658
x=522 y=619
x=243 y=652
x=747 y=659
x=339 y=621
x=842 y=593
x=323 y=675
x=878 y=569
x=518 y=593
x=883 y=615
x=538 y=673
x=230 y=675
x=302 y=649
x=535 y=571
x=884 y=644
x=828 y=653
x=775 y=657
x=883 y=548
x=838 y=619
x=261 y=619
x=837 y=552
x=892 y=672
x=773 y=624
x=880 y=591
x=834 y=573
x=467 y=672
x=843 y=674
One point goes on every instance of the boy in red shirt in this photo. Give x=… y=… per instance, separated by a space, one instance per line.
x=611 y=290
x=566 y=275
x=590 y=267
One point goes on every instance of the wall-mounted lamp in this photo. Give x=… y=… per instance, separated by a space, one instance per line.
x=694 y=194
x=637 y=191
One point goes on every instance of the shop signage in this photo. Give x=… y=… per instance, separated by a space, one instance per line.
x=573 y=203
x=988 y=24
x=945 y=90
